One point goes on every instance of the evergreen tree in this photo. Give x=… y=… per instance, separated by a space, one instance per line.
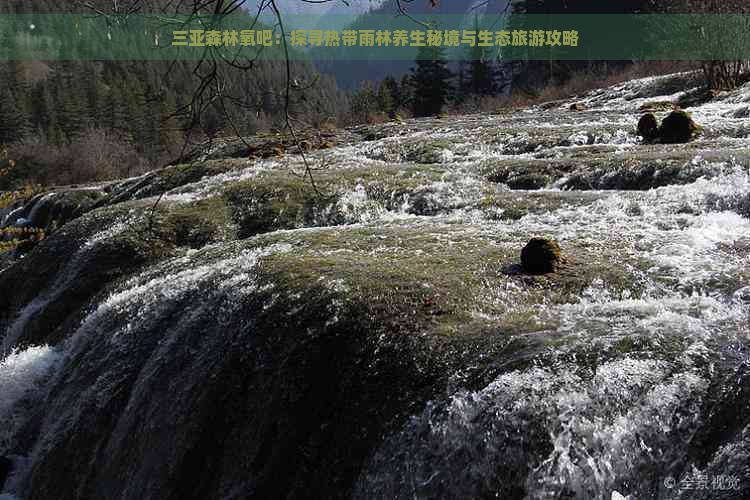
x=406 y=92
x=150 y=127
x=72 y=109
x=114 y=115
x=168 y=124
x=461 y=92
x=389 y=96
x=482 y=73
x=13 y=124
x=14 y=93
x=364 y=103
x=93 y=92
x=431 y=82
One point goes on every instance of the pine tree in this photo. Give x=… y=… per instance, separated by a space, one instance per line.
x=406 y=91
x=93 y=92
x=13 y=123
x=481 y=74
x=431 y=82
x=146 y=129
x=72 y=109
x=114 y=116
x=168 y=123
x=389 y=98
x=364 y=103
x=14 y=93
x=462 y=91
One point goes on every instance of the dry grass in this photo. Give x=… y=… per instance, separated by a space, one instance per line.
x=579 y=84
x=98 y=155
x=585 y=81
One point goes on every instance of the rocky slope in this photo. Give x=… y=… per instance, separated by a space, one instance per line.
x=248 y=337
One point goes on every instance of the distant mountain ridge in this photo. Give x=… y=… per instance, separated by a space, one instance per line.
x=336 y=14
x=349 y=74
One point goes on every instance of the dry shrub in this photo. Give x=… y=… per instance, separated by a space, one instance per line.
x=98 y=155
x=585 y=81
x=578 y=84
x=582 y=82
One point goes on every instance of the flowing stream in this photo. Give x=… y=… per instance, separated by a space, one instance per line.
x=207 y=372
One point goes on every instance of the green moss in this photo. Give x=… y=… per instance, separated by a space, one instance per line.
x=282 y=200
x=169 y=178
x=657 y=106
x=268 y=203
x=528 y=181
x=443 y=278
x=196 y=224
x=513 y=205
x=429 y=152
x=528 y=319
x=523 y=173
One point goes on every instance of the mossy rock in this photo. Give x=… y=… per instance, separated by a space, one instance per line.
x=197 y=224
x=6 y=466
x=167 y=179
x=657 y=106
x=267 y=150
x=429 y=152
x=305 y=345
x=276 y=200
x=541 y=256
x=376 y=134
x=528 y=181
x=269 y=203
x=513 y=205
x=428 y=267
x=678 y=127
x=648 y=127
x=525 y=173
x=696 y=97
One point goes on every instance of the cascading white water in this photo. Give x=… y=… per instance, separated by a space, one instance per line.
x=613 y=399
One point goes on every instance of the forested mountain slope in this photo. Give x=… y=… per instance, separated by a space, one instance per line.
x=146 y=104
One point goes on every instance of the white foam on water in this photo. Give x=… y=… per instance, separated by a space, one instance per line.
x=604 y=422
x=70 y=270
x=602 y=432
x=144 y=296
x=37 y=206
x=22 y=373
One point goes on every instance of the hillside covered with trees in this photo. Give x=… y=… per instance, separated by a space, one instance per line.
x=76 y=121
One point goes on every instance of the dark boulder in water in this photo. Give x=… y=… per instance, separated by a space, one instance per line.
x=52 y=210
x=5 y=469
x=648 y=127
x=529 y=181
x=577 y=107
x=678 y=127
x=541 y=256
